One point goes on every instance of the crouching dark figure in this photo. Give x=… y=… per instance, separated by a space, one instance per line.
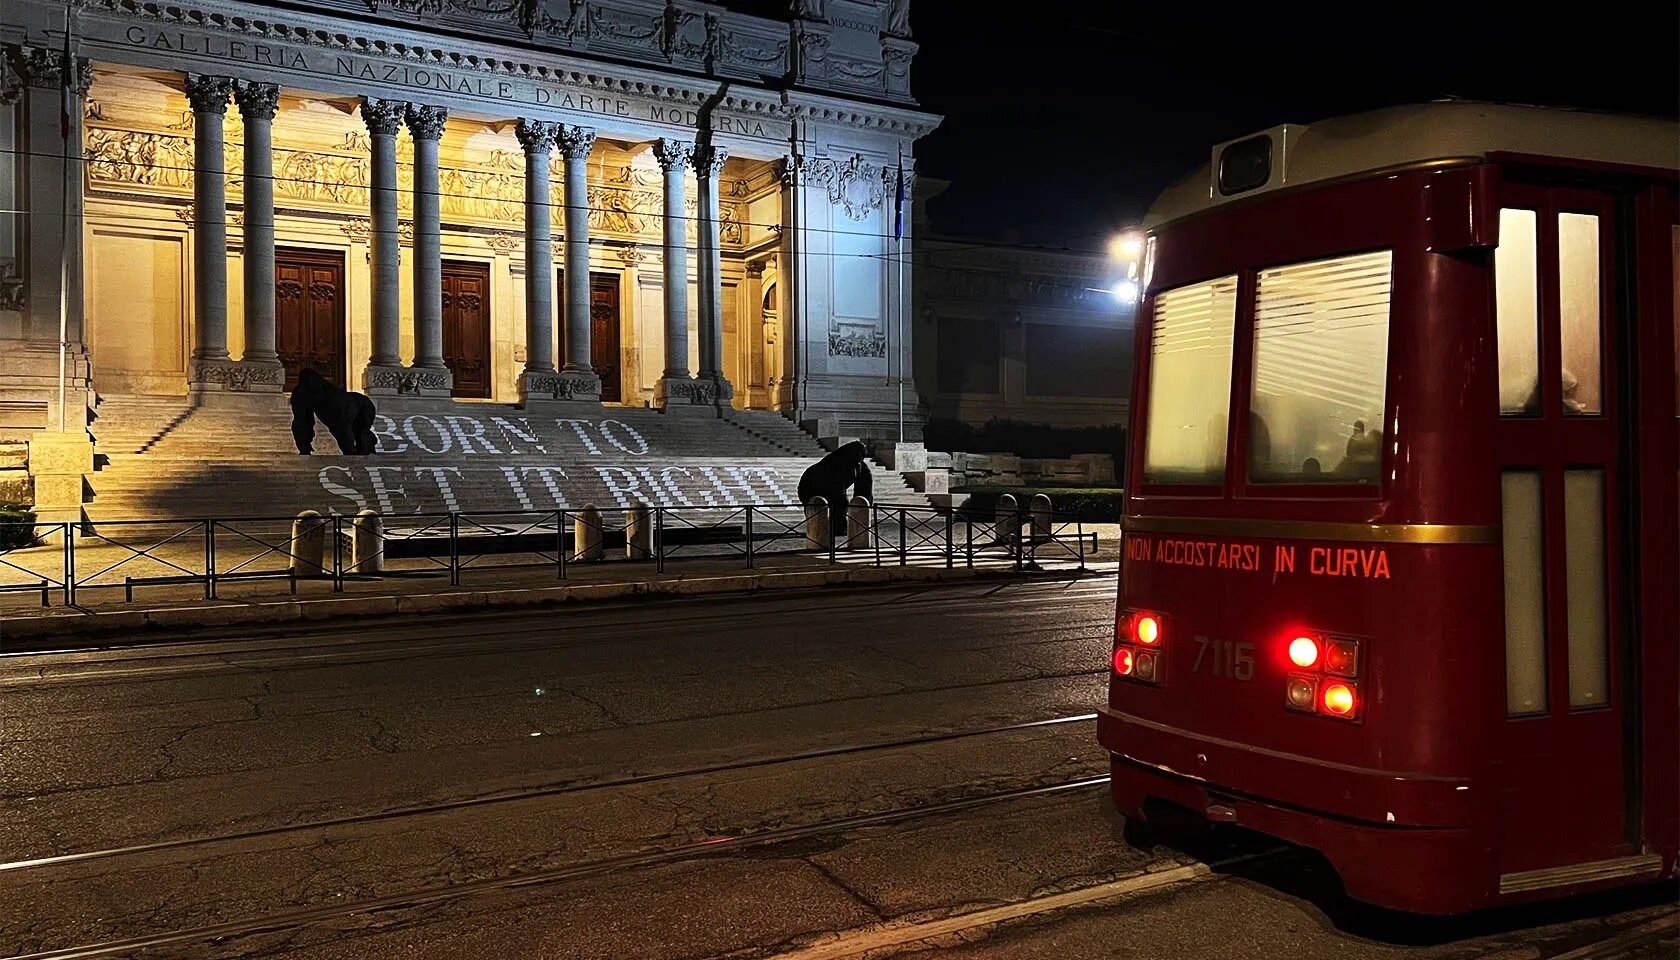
x=348 y=416
x=830 y=478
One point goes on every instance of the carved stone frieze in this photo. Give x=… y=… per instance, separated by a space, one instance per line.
x=854 y=69
x=854 y=342
x=670 y=391
x=503 y=243
x=857 y=186
x=560 y=386
x=627 y=28
x=539 y=22
x=408 y=380
x=237 y=376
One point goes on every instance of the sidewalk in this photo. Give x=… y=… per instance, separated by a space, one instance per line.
x=103 y=612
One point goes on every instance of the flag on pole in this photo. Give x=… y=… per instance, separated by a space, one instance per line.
x=898 y=200
x=68 y=73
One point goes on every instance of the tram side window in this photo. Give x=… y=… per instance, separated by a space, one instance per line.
x=1579 y=312
x=1516 y=284
x=1320 y=369
x=1190 y=383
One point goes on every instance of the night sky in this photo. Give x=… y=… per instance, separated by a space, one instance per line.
x=1064 y=119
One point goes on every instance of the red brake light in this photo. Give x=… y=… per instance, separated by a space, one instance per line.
x=1148 y=630
x=1123 y=661
x=1339 y=700
x=1303 y=651
x=1341 y=657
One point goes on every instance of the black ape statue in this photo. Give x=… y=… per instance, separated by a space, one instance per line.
x=348 y=416
x=832 y=475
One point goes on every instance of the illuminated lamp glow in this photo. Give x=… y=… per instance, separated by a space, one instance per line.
x=1126 y=291
x=1303 y=651
x=1123 y=661
x=1148 y=630
x=1338 y=700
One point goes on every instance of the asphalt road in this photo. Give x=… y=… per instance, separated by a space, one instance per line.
x=888 y=772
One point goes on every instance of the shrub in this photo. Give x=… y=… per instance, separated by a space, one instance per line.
x=17 y=527
x=1025 y=439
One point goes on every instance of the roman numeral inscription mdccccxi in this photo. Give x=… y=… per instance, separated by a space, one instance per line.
x=428 y=463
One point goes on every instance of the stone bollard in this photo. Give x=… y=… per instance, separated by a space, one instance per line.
x=309 y=544
x=638 y=533
x=819 y=528
x=1039 y=508
x=859 y=534
x=1008 y=525
x=586 y=534
x=367 y=543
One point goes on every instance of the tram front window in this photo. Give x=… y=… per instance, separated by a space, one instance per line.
x=1320 y=368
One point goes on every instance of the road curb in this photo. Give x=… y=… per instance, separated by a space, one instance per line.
x=230 y=613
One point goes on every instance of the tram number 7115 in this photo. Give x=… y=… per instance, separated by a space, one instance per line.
x=1233 y=660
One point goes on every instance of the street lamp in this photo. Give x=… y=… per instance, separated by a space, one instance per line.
x=1126 y=250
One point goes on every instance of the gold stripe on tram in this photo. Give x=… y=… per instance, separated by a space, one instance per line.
x=1447 y=533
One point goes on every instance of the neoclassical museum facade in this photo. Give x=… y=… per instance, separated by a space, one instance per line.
x=641 y=202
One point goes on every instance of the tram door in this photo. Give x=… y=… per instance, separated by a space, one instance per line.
x=1561 y=337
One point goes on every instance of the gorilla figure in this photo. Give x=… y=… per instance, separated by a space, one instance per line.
x=829 y=477
x=348 y=416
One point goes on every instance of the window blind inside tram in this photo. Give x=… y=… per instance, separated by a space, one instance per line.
x=1320 y=368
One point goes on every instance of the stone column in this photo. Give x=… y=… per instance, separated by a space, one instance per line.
x=209 y=99
x=538 y=380
x=384 y=373
x=429 y=375
x=579 y=371
x=675 y=387
x=708 y=166
x=260 y=366
x=51 y=212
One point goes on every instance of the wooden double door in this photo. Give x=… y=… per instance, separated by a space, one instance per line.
x=466 y=326
x=603 y=330
x=309 y=301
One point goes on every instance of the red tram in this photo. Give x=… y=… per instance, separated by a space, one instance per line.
x=1400 y=568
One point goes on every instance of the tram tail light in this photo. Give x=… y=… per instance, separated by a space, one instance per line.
x=1301 y=692
x=1323 y=680
x=1139 y=636
x=1340 y=699
x=1341 y=658
x=1125 y=661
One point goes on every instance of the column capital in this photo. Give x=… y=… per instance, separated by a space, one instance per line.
x=708 y=159
x=259 y=101
x=426 y=122
x=575 y=142
x=673 y=155
x=44 y=67
x=383 y=117
x=536 y=136
x=208 y=94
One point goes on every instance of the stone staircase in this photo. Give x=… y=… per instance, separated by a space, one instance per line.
x=234 y=457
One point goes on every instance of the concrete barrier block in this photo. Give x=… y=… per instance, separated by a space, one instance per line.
x=902 y=456
x=929 y=481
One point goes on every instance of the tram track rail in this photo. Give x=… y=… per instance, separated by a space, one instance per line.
x=439 y=894
x=537 y=793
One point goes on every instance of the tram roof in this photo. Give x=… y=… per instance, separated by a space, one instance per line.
x=1419 y=133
